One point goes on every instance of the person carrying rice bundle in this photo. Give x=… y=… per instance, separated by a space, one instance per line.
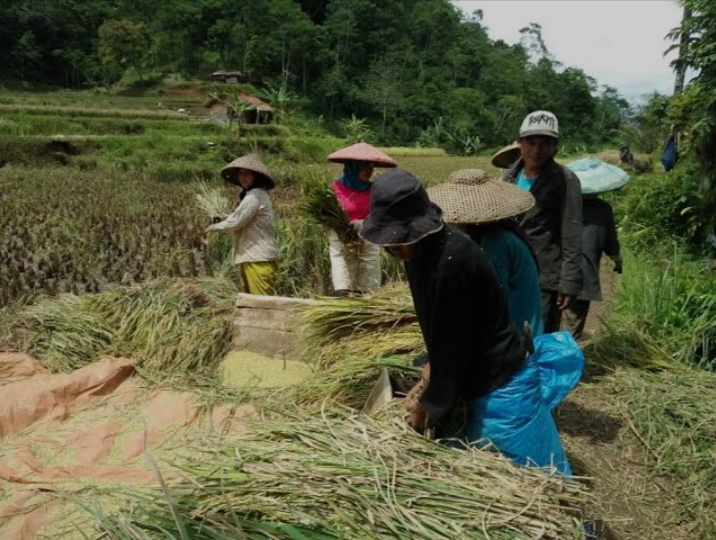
x=475 y=355
x=255 y=247
x=485 y=209
x=355 y=267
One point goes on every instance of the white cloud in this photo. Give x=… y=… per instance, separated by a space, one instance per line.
x=618 y=42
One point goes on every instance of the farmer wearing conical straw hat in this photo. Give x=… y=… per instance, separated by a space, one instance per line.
x=255 y=247
x=485 y=209
x=476 y=356
x=355 y=268
x=554 y=224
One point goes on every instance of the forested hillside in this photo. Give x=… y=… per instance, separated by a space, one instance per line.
x=418 y=70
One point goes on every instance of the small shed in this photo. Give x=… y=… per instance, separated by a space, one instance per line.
x=228 y=77
x=259 y=111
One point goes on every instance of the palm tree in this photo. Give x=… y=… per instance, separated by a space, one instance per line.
x=683 y=35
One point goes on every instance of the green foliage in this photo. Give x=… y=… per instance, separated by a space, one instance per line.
x=399 y=65
x=123 y=43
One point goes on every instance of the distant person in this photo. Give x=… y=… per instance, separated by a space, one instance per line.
x=485 y=209
x=255 y=247
x=554 y=224
x=355 y=269
x=625 y=155
x=599 y=236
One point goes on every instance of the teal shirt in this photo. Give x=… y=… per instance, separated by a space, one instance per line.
x=524 y=182
x=517 y=270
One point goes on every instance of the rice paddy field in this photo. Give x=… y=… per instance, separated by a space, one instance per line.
x=103 y=203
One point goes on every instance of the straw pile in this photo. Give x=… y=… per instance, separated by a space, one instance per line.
x=349 y=477
x=167 y=326
x=320 y=205
x=373 y=326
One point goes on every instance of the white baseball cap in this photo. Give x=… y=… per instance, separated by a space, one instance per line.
x=540 y=123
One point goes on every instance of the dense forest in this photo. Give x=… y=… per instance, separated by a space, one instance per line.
x=420 y=71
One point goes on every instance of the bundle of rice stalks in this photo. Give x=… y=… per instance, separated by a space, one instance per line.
x=62 y=333
x=171 y=325
x=168 y=326
x=380 y=324
x=348 y=477
x=320 y=204
x=350 y=382
x=211 y=201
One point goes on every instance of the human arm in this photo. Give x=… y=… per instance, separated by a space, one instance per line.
x=612 y=247
x=571 y=234
x=239 y=218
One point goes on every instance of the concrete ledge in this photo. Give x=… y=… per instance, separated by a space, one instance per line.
x=268 y=325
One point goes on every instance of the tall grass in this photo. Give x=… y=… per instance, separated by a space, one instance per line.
x=669 y=305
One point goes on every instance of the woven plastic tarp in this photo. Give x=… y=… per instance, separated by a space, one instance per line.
x=517 y=417
x=597 y=176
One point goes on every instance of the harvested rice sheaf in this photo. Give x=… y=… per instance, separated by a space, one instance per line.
x=320 y=204
x=350 y=477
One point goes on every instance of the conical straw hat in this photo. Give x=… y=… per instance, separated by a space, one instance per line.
x=470 y=196
x=506 y=156
x=362 y=152
x=251 y=162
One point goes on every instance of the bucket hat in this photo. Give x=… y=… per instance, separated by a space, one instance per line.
x=251 y=162
x=471 y=196
x=400 y=211
x=540 y=123
x=506 y=156
x=363 y=152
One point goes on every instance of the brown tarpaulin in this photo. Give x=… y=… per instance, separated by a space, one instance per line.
x=59 y=432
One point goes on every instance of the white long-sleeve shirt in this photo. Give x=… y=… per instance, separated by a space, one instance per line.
x=252 y=226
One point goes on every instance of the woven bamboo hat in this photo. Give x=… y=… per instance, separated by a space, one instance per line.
x=363 y=152
x=470 y=196
x=506 y=156
x=251 y=162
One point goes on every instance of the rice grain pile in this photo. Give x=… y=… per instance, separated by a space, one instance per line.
x=350 y=477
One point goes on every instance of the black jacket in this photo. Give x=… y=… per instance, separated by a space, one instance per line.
x=599 y=236
x=554 y=225
x=472 y=345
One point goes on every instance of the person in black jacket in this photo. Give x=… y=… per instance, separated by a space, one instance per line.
x=472 y=345
x=554 y=224
x=599 y=236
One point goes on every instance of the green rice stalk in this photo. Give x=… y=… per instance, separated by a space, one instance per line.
x=168 y=326
x=211 y=201
x=381 y=324
x=320 y=204
x=351 y=477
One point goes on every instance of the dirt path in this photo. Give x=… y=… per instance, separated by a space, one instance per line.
x=629 y=502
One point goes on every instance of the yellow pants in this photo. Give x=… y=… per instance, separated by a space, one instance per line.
x=259 y=277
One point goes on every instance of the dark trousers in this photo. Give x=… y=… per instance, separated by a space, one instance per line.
x=550 y=312
x=575 y=316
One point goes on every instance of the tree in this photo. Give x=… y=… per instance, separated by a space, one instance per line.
x=533 y=43
x=123 y=43
x=680 y=66
x=26 y=53
x=383 y=86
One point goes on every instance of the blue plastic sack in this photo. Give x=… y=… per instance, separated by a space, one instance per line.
x=561 y=363
x=670 y=155
x=517 y=417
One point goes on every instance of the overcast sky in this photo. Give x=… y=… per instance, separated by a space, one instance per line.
x=618 y=42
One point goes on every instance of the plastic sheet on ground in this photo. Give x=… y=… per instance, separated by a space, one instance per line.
x=62 y=432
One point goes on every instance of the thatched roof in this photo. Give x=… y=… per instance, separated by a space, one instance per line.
x=256 y=102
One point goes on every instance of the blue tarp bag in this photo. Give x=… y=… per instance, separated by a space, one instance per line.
x=670 y=155
x=561 y=364
x=517 y=417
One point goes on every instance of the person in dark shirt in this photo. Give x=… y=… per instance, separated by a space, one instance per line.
x=599 y=235
x=475 y=354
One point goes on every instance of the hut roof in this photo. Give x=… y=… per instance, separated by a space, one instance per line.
x=256 y=102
